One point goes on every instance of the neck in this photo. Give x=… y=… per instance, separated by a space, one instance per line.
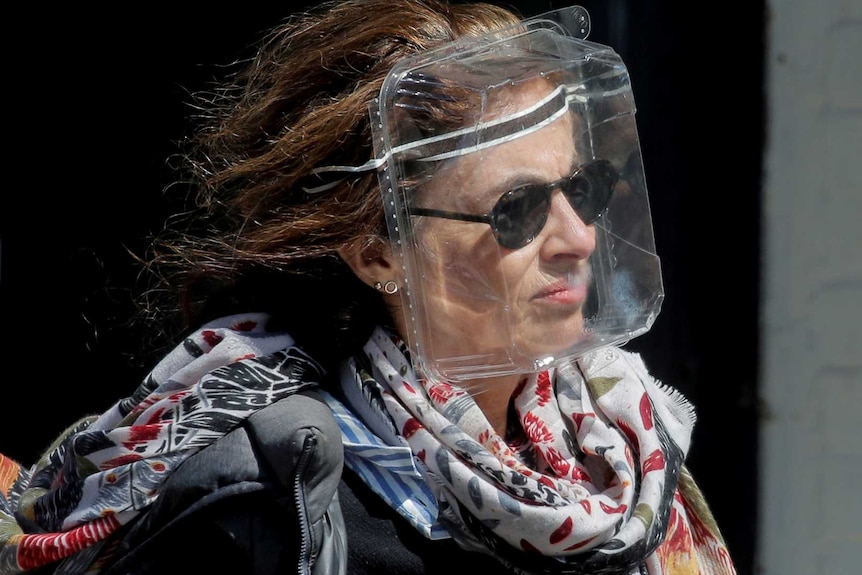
x=492 y=395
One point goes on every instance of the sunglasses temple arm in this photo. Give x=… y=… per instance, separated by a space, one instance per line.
x=482 y=219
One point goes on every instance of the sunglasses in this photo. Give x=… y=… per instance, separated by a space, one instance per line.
x=520 y=214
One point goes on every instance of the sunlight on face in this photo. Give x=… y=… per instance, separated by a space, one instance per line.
x=488 y=303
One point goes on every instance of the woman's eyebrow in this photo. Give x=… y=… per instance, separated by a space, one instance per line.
x=523 y=178
x=509 y=183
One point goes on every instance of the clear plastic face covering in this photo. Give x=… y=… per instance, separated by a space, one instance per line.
x=515 y=198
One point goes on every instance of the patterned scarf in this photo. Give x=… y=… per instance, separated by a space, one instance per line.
x=594 y=483
x=103 y=472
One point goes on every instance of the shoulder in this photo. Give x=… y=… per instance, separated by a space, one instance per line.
x=250 y=497
x=299 y=429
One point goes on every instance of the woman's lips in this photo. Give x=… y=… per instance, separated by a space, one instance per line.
x=563 y=292
x=568 y=289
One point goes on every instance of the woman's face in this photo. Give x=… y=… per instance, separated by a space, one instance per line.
x=483 y=301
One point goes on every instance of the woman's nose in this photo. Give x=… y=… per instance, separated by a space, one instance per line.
x=565 y=236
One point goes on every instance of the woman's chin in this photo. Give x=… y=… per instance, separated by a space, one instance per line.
x=551 y=338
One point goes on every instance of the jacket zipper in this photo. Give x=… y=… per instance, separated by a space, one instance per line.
x=304 y=567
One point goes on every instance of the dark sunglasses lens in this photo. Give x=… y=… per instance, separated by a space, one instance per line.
x=589 y=190
x=519 y=215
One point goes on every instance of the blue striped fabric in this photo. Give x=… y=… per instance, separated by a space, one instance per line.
x=388 y=470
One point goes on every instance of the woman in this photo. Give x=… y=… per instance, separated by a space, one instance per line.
x=403 y=385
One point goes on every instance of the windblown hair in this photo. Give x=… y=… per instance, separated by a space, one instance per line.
x=255 y=241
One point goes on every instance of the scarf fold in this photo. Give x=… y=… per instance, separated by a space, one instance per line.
x=595 y=483
x=105 y=471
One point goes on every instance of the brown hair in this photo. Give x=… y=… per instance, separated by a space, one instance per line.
x=255 y=241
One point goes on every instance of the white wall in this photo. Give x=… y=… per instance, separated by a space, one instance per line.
x=811 y=434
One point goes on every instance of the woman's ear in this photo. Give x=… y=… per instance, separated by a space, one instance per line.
x=372 y=262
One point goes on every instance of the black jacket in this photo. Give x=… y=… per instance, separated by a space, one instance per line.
x=273 y=496
x=262 y=500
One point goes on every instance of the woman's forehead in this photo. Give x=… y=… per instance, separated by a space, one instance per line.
x=537 y=156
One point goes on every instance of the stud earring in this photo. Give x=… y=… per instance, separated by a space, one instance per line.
x=389 y=287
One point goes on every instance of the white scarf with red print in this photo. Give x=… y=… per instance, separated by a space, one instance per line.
x=595 y=484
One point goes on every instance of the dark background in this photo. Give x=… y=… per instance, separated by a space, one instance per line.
x=95 y=101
